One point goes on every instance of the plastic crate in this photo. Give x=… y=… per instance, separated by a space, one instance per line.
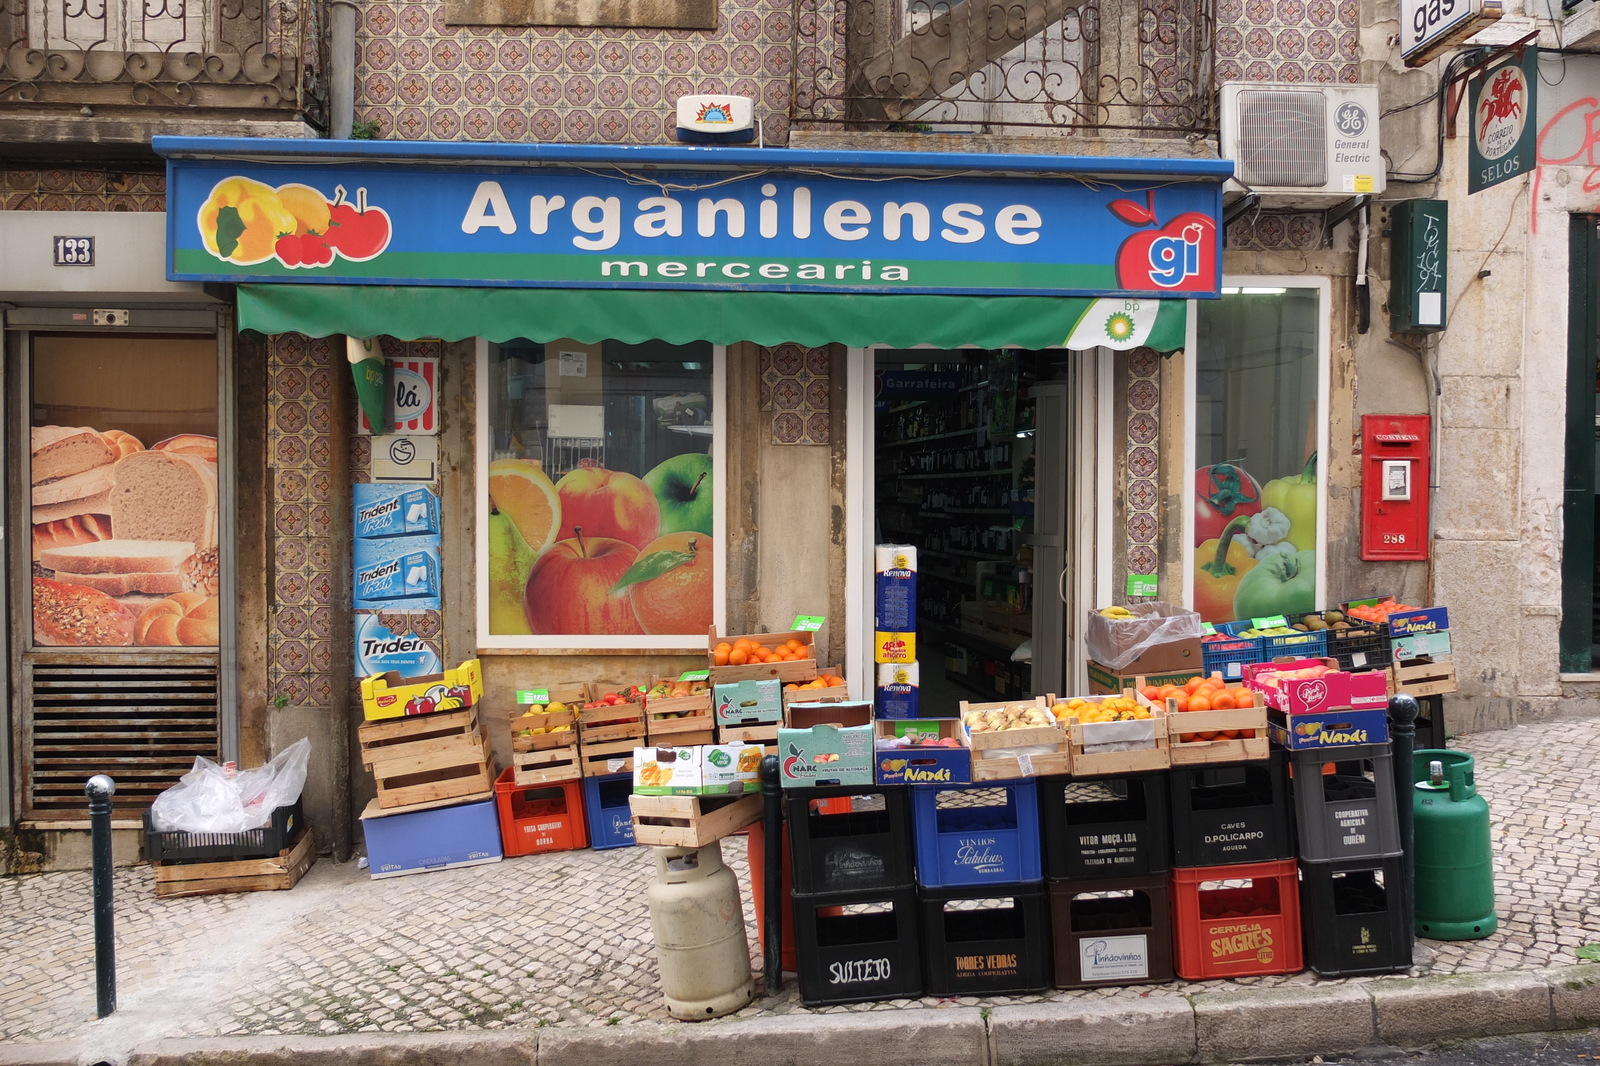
x=865 y=847
x=1236 y=921
x=606 y=810
x=1229 y=657
x=1354 y=917
x=1104 y=827
x=535 y=818
x=1115 y=931
x=1361 y=647
x=1350 y=812
x=1231 y=812
x=857 y=946
x=1310 y=645
x=177 y=845
x=982 y=941
x=977 y=834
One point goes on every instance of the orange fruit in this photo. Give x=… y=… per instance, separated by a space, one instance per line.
x=677 y=599
x=1245 y=698
x=793 y=644
x=1193 y=683
x=1222 y=701
x=738 y=657
x=1199 y=703
x=520 y=490
x=719 y=654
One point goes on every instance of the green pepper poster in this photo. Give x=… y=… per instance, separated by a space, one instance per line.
x=1255 y=541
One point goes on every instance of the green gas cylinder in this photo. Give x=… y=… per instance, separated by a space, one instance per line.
x=1454 y=868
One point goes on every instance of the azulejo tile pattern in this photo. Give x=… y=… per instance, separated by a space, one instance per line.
x=82 y=190
x=423 y=80
x=794 y=391
x=1141 y=494
x=1312 y=42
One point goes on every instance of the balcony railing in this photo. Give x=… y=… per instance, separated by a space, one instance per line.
x=262 y=56
x=1039 y=67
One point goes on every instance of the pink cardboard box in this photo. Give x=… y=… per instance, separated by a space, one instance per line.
x=1334 y=690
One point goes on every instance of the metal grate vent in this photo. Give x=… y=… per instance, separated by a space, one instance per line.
x=1283 y=139
x=141 y=722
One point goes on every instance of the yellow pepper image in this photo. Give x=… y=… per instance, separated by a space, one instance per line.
x=242 y=220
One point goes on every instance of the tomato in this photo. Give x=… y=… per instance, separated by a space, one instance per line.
x=1222 y=492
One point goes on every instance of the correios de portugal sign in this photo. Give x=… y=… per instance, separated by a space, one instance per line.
x=1503 y=100
x=406 y=224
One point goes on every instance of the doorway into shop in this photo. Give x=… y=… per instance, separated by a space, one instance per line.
x=1580 y=559
x=976 y=454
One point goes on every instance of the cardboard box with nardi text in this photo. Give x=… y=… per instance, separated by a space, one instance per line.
x=698 y=770
x=923 y=752
x=826 y=744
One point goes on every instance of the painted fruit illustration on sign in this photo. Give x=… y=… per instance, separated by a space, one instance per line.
x=246 y=222
x=569 y=590
x=609 y=503
x=669 y=586
x=683 y=490
x=1177 y=256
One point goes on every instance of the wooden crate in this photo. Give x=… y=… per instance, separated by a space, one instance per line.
x=691 y=821
x=1421 y=678
x=678 y=721
x=602 y=758
x=793 y=670
x=750 y=734
x=545 y=757
x=813 y=695
x=991 y=752
x=281 y=871
x=547 y=766
x=420 y=760
x=611 y=723
x=1220 y=749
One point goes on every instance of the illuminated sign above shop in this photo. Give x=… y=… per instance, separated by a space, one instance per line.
x=781 y=229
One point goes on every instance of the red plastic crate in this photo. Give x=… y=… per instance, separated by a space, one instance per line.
x=537 y=818
x=1237 y=921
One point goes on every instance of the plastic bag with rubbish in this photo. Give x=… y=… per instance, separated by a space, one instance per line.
x=213 y=799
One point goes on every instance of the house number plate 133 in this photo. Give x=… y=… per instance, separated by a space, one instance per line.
x=74 y=251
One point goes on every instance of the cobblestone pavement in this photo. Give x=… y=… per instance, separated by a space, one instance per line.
x=564 y=939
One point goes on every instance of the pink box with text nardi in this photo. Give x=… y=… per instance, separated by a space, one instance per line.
x=1332 y=690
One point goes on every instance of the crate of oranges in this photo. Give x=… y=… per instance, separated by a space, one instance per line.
x=1212 y=721
x=829 y=684
x=1114 y=734
x=789 y=656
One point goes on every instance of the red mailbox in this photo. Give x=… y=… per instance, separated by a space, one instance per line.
x=1394 y=487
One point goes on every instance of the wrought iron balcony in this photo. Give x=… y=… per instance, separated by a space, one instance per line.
x=262 y=59
x=1039 y=67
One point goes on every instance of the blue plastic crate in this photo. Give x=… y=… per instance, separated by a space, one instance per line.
x=1312 y=645
x=605 y=804
x=1228 y=657
x=984 y=834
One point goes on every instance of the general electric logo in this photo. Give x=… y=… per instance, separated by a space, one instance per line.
x=1351 y=119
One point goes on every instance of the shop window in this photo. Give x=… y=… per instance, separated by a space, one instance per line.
x=663 y=14
x=1258 y=424
x=123 y=482
x=599 y=507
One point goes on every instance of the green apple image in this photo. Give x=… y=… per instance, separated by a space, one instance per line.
x=682 y=486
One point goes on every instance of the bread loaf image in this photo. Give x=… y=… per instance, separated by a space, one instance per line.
x=73 y=616
x=61 y=451
x=164 y=495
x=187 y=619
x=195 y=444
x=66 y=532
x=118 y=556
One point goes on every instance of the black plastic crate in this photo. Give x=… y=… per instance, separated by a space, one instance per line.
x=857 y=946
x=985 y=940
x=1228 y=813
x=177 y=845
x=1104 y=826
x=1361 y=647
x=865 y=847
x=1354 y=917
x=1111 y=931
x=1345 y=806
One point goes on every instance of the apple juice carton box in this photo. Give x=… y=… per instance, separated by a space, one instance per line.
x=698 y=770
x=748 y=702
x=826 y=744
x=395 y=511
x=895 y=589
x=399 y=571
x=898 y=685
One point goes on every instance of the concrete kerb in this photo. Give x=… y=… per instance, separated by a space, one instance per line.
x=1432 y=1009
x=1278 y=1023
x=1574 y=995
x=1094 y=1032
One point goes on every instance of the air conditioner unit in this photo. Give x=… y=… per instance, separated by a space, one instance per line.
x=1303 y=144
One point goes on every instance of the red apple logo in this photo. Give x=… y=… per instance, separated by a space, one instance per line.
x=1180 y=256
x=609 y=503
x=569 y=588
x=358 y=231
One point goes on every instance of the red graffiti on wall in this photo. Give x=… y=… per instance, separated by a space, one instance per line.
x=1582 y=115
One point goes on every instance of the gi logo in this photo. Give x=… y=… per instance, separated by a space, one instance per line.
x=1178 y=256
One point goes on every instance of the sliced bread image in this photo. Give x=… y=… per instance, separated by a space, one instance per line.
x=97 y=504
x=118 y=556
x=164 y=495
x=84 y=484
x=61 y=451
x=65 y=532
x=164 y=583
x=73 y=616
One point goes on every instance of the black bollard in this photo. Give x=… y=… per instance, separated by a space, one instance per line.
x=1403 y=711
x=772 y=874
x=100 y=789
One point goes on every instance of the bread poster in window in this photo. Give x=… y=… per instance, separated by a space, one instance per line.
x=124 y=539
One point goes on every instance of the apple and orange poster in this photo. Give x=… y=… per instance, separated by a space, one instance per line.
x=599 y=552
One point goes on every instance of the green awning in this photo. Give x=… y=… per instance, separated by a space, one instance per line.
x=677 y=317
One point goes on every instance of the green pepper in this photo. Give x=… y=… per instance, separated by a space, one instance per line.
x=1280 y=584
x=1296 y=497
x=1222 y=561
